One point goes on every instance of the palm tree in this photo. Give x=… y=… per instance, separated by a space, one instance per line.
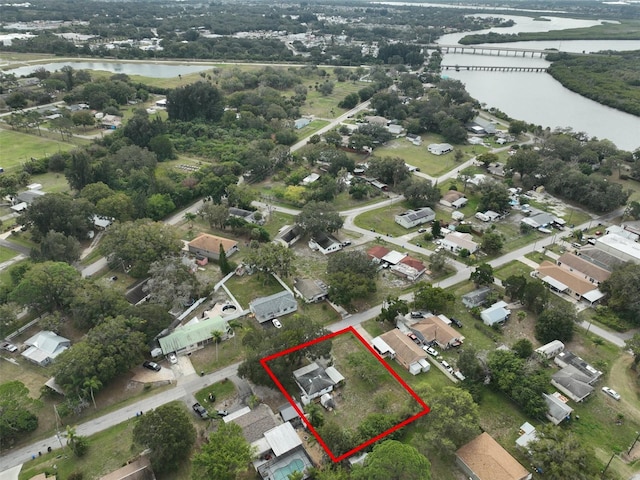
x=217 y=337
x=71 y=437
x=92 y=384
x=190 y=217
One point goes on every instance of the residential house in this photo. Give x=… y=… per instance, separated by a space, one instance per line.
x=576 y=377
x=495 y=314
x=415 y=139
x=550 y=350
x=288 y=235
x=394 y=129
x=139 y=469
x=250 y=216
x=405 y=351
x=393 y=258
x=311 y=178
x=314 y=381
x=540 y=220
x=449 y=197
x=440 y=148
x=454 y=242
x=162 y=103
x=311 y=291
x=254 y=423
x=409 y=268
x=101 y=223
x=456 y=215
x=459 y=203
x=376 y=120
x=475 y=140
x=301 y=123
x=207 y=245
x=111 y=122
x=325 y=243
x=623 y=231
x=600 y=258
x=377 y=253
x=29 y=196
x=281 y=450
x=485 y=459
x=413 y=218
x=196 y=334
x=557 y=409
x=273 y=306
x=476 y=298
x=568 y=282
x=44 y=347
x=437 y=329
x=580 y=265
x=290 y=414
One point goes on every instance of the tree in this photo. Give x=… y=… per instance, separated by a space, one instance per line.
x=92 y=303
x=240 y=196
x=196 y=101
x=422 y=193
x=473 y=371
x=224 y=456
x=61 y=213
x=57 y=247
x=393 y=460
x=83 y=118
x=168 y=432
x=319 y=217
x=492 y=242
x=452 y=421
x=556 y=322
x=494 y=196
x=223 y=262
x=623 y=291
x=436 y=229
x=216 y=215
x=162 y=146
x=350 y=101
x=438 y=261
x=92 y=384
x=133 y=246
x=559 y=455
x=517 y=127
x=514 y=286
x=392 y=171
x=17 y=415
x=523 y=348
x=535 y=296
x=47 y=286
x=171 y=283
x=392 y=307
x=272 y=258
x=434 y=299
x=77 y=443
x=633 y=344
x=482 y=275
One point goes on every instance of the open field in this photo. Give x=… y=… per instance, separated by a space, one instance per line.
x=512 y=268
x=17 y=148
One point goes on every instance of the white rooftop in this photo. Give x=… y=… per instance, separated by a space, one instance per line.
x=282 y=439
x=393 y=257
x=622 y=244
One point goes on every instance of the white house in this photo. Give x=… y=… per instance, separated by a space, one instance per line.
x=456 y=241
x=273 y=306
x=439 y=148
x=496 y=313
x=44 y=347
x=325 y=244
x=413 y=218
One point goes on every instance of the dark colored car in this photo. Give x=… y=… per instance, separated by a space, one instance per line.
x=456 y=322
x=200 y=410
x=151 y=366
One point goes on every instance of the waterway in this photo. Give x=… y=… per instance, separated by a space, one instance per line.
x=154 y=70
x=536 y=97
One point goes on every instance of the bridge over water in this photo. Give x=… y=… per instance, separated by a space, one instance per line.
x=496 y=50
x=490 y=68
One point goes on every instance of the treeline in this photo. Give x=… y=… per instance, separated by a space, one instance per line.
x=612 y=80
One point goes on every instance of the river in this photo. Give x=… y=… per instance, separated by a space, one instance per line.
x=536 y=97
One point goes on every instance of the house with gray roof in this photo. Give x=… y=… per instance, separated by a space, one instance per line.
x=568 y=359
x=542 y=219
x=572 y=383
x=314 y=381
x=311 y=291
x=273 y=306
x=557 y=410
x=476 y=298
x=44 y=347
x=413 y=218
x=247 y=215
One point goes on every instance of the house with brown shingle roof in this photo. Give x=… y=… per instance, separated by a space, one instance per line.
x=434 y=328
x=207 y=245
x=484 y=459
x=565 y=281
x=409 y=268
x=405 y=351
x=377 y=252
x=576 y=264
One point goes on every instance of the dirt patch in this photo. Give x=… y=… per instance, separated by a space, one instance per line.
x=517 y=328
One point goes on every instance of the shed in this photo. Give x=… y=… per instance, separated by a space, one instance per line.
x=550 y=349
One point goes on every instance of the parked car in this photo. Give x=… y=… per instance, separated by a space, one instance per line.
x=276 y=323
x=431 y=351
x=415 y=339
x=151 y=366
x=416 y=315
x=611 y=392
x=422 y=230
x=446 y=366
x=200 y=410
x=346 y=243
x=172 y=358
x=458 y=374
x=9 y=347
x=222 y=413
x=456 y=322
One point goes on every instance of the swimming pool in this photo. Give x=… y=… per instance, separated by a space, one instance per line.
x=296 y=465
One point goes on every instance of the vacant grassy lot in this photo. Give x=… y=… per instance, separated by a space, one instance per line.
x=312 y=128
x=512 y=268
x=17 y=148
x=326 y=106
x=382 y=221
x=250 y=287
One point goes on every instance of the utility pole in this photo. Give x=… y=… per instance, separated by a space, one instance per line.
x=634 y=443
x=609 y=463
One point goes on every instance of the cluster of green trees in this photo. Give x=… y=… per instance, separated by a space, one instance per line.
x=351 y=276
x=623 y=292
x=564 y=166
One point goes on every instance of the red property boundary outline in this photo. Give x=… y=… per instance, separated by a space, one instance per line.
x=424 y=411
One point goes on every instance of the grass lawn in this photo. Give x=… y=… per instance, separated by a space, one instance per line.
x=6 y=254
x=327 y=106
x=52 y=182
x=222 y=391
x=310 y=129
x=382 y=220
x=108 y=451
x=250 y=287
x=17 y=148
x=276 y=221
x=512 y=268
